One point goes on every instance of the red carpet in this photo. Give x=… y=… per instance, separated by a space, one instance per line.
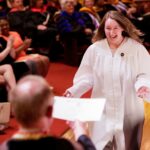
x=60 y=77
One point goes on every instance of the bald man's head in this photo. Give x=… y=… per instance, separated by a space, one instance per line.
x=30 y=99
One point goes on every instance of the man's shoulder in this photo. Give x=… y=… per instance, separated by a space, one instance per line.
x=41 y=143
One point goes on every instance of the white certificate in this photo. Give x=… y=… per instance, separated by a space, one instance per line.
x=82 y=109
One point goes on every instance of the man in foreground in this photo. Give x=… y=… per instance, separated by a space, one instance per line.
x=32 y=101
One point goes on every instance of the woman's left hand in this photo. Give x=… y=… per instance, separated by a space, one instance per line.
x=143 y=92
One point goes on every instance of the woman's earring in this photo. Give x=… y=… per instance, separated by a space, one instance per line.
x=124 y=33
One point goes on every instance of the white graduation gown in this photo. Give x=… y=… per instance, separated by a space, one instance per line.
x=116 y=78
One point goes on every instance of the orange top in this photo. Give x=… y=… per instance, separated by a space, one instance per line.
x=17 y=42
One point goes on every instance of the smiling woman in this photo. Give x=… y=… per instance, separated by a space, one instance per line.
x=113 y=33
x=114 y=67
x=75 y=31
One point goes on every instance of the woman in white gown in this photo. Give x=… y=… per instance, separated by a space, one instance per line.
x=116 y=67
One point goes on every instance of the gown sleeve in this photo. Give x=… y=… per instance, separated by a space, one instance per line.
x=143 y=75
x=83 y=80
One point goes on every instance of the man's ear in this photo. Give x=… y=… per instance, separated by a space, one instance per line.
x=49 y=111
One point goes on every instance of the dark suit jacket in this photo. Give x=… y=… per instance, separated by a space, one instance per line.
x=46 y=143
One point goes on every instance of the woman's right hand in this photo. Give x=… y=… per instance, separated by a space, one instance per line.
x=67 y=94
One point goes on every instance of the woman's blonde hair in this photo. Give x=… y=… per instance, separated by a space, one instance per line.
x=129 y=29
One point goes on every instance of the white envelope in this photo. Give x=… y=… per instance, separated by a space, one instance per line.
x=82 y=109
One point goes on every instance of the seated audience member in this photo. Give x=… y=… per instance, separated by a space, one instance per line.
x=75 y=29
x=19 y=45
x=27 y=63
x=7 y=56
x=16 y=17
x=39 y=26
x=32 y=108
x=88 y=8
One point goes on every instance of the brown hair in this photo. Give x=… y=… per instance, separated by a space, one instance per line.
x=129 y=29
x=30 y=99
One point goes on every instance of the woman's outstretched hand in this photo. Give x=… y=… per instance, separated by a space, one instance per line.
x=67 y=94
x=144 y=93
